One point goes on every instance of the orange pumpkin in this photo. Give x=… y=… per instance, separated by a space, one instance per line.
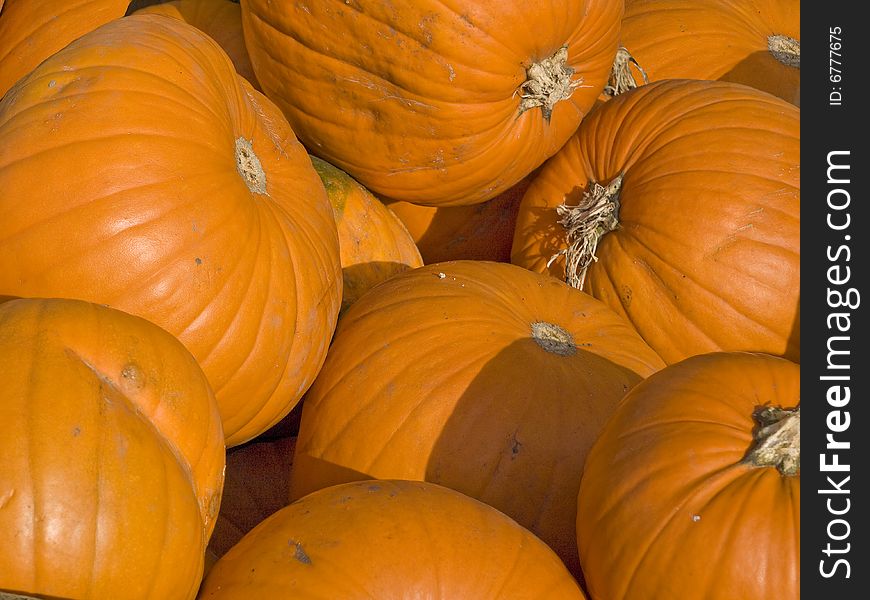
x=374 y=243
x=138 y=170
x=33 y=30
x=433 y=103
x=753 y=42
x=491 y=380
x=682 y=200
x=693 y=489
x=389 y=539
x=482 y=231
x=112 y=452
x=220 y=19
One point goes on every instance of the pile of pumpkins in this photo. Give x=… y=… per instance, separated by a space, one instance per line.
x=422 y=299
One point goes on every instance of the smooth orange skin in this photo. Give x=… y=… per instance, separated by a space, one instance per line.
x=119 y=185
x=389 y=540
x=110 y=433
x=434 y=376
x=707 y=254
x=33 y=30
x=482 y=231
x=424 y=105
x=668 y=508
x=725 y=40
x=220 y=19
x=374 y=243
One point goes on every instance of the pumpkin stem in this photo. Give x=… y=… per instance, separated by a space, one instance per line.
x=553 y=339
x=786 y=50
x=585 y=224
x=621 y=78
x=777 y=439
x=249 y=166
x=548 y=82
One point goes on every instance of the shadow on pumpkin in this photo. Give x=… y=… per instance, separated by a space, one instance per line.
x=762 y=71
x=361 y=277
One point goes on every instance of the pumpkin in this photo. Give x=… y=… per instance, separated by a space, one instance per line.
x=138 y=170
x=682 y=206
x=482 y=231
x=433 y=103
x=33 y=30
x=112 y=455
x=220 y=19
x=389 y=539
x=374 y=243
x=753 y=42
x=693 y=489
x=480 y=376
x=257 y=480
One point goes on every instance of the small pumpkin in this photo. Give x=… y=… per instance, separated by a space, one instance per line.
x=482 y=231
x=139 y=171
x=692 y=490
x=433 y=104
x=33 y=30
x=753 y=42
x=480 y=376
x=112 y=452
x=374 y=243
x=389 y=539
x=678 y=205
x=220 y=19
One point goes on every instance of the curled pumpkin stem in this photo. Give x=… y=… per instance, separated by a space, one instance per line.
x=621 y=77
x=777 y=440
x=785 y=49
x=548 y=82
x=585 y=224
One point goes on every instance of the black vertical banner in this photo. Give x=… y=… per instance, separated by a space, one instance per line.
x=835 y=364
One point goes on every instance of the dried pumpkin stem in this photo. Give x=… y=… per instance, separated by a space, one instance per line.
x=777 y=440
x=785 y=49
x=553 y=339
x=548 y=82
x=585 y=224
x=249 y=166
x=621 y=77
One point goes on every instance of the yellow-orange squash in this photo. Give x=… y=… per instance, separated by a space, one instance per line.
x=753 y=42
x=693 y=489
x=434 y=102
x=112 y=451
x=691 y=191
x=389 y=539
x=33 y=30
x=374 y=243
x=480 y=376
x=138 y=170
x=220 y=19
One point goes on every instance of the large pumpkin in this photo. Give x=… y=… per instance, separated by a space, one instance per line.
x=389 y=539
x=693 y=489
x=33 y=30
x=691 y=191
x=138 y=170
x=374 y=243
x=220 y=19
x=479 y=376
x=433 y=103
x=112 y=451
x=753 y=42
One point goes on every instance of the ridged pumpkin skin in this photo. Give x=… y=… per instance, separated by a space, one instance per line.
x=374 y=243
x=33 y=30
x=220 y=19
x=475 y=390
x=482 y=231
x=707 y=253
x=110 y=433
x=138 y=170
x=669 y=507
x=389 y=539
x=425 y=105
x=727 y=40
